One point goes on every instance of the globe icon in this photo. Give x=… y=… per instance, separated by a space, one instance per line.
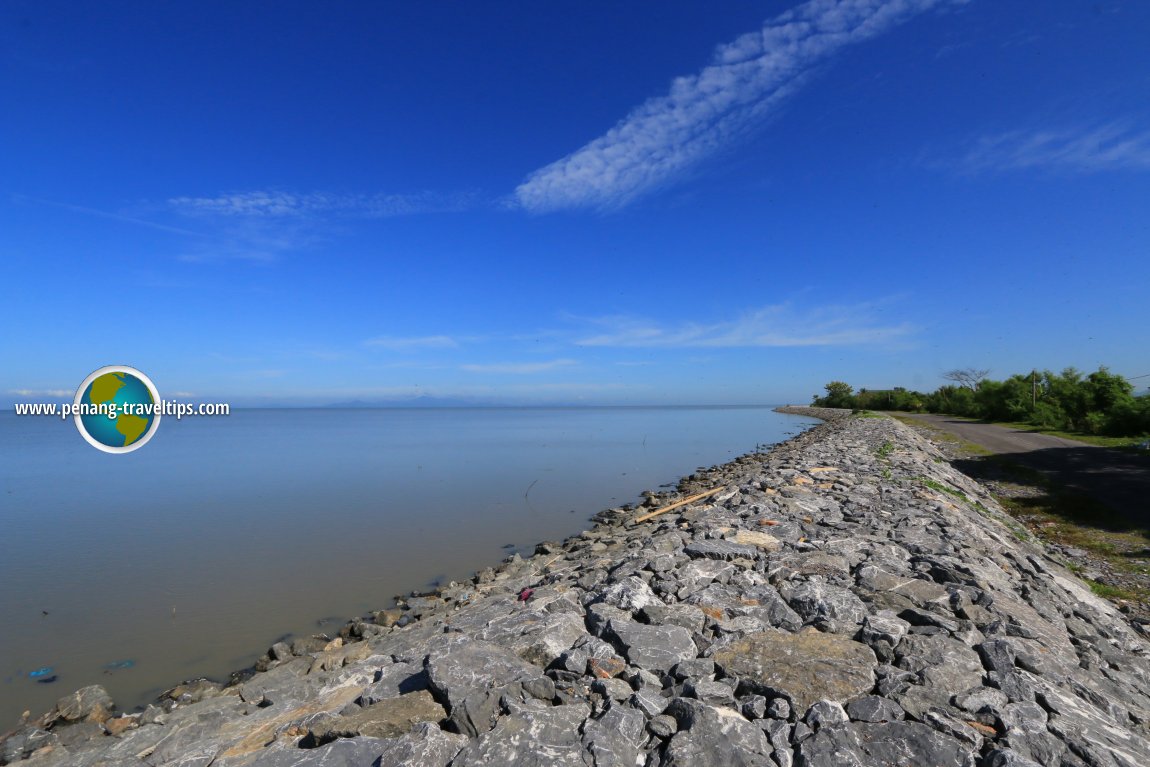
x=120 y=414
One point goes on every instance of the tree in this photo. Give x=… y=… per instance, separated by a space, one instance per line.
x=1108 y=391
x=968 y=378
x=839 y=394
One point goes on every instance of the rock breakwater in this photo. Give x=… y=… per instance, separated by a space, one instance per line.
x=846 y=599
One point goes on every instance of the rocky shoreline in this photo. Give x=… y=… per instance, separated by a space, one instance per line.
x=846 y=598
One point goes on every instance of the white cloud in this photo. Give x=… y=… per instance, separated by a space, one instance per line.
x=252 y=239
x=280 y=204
x=43 y=392
x=420 y=342
x=777 y=326
x=121 y=217
x=519 y=368
x=1114 y=146
x=705 y=111
x=262 y=226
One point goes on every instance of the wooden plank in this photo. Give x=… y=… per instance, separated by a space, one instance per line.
x=677 y=504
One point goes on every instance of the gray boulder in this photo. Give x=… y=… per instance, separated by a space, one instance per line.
x=805 y=667
x=388 y=718
x=616 y=738
x=655 y=648
x=531 y=737
x=469 y=677
x=714 y=736
x=92 y=703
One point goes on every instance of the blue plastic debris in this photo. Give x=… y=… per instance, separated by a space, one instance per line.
x=45 y=671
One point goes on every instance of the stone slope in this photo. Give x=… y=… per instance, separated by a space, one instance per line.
x=848 y=598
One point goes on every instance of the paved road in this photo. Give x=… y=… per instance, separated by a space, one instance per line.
x=1118 y=479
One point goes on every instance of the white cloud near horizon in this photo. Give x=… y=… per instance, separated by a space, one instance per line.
x=771 y=326
x=281 y=204
x=703 y=112
x=417 y=342
x=519 y=368
x=1110 y=147
x=43 y=392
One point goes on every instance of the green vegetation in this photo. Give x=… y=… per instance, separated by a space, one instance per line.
x=1113 y=592
x=885 y=449
x=1100 y=404
x=1069 y=518
x=1093 y=439
x=1018 y=530
x=943 y=488
x=941 y=435
x=1036 y=507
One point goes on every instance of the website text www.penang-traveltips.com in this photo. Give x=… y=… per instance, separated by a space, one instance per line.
x=112 y=410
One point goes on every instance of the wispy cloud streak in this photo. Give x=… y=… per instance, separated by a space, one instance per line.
x=1110 y=147
x=255 y=240
x=771 y=326
x=408 y=344
x=519 y=368
x=278 y=204
x=260 y=226
x=705 y=111
x=123 y=218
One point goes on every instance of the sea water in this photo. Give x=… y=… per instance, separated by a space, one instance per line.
x=190 y=556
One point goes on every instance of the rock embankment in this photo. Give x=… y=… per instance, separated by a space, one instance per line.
x=846 y=599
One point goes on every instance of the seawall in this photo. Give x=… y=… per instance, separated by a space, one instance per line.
x=846 y=598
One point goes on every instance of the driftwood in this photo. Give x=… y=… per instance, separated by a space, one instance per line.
x=677 y=504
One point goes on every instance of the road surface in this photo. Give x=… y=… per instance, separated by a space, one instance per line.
x=1118 y=479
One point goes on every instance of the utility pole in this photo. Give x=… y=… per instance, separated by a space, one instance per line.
x=1033 y=389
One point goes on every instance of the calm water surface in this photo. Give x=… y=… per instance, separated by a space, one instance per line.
x=191 y=555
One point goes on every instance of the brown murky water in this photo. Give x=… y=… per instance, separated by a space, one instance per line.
x=192 y=555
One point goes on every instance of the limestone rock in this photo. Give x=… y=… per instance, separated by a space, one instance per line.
x=90 y=703
x=389 y=718
x=616 y=738
x=470 y=676
x=714 y=736
x=655 y=648
x=721 y=550
x=805 y=667
x=531 y=737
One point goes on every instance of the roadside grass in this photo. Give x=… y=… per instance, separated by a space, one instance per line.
x=1056 y=515
x=1072 y=519
x=1114 y=593
x=1090 y=439
x=1068 y=518
x=1125 y=444
x=941 y=435
x=867 y=414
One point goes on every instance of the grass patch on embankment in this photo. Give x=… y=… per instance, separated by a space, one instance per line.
x=1056 y=515
x=1068 y=518
x=1013 y=526
x=941 y=435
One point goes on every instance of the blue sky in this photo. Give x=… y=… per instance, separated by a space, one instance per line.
x=600 y=202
